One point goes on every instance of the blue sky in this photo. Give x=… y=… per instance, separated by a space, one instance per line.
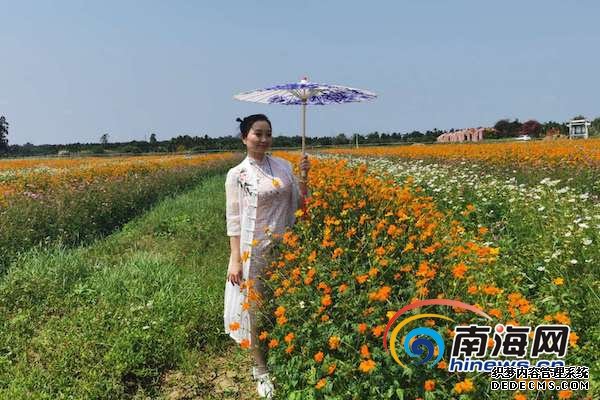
x=73 y=70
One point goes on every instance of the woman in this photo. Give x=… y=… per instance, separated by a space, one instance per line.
x=262 y=196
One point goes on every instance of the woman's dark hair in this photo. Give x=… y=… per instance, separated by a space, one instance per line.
x=246 y=123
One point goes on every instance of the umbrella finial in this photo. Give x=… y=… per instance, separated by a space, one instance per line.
x=304 y=80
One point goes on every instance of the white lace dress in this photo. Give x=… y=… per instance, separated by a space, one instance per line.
x=261 y=198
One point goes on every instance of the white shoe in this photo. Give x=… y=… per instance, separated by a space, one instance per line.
x=264 y=387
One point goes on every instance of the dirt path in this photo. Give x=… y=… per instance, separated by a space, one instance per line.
x=224 y=376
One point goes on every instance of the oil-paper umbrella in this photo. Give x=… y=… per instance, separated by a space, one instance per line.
x=306 y=93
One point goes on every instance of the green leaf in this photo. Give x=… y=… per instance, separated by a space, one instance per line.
x=400 y=394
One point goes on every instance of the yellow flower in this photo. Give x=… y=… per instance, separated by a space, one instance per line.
x=334 y=342
x=245 y=255
x=558 y=281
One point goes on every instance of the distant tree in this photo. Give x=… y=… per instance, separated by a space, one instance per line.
x=531 y=128
x=104 y=139
x=153 y=139
x=595 y=127
x=130 y=149
x=554 y=126
x=505 y=128
x=340 y=139
x=3 y=135
x=373 y=137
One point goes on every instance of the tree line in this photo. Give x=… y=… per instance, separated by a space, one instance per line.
x=504 y=128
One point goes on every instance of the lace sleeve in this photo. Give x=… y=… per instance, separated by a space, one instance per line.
x=232 y=203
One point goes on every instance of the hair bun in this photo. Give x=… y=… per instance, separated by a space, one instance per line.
x=239 y=120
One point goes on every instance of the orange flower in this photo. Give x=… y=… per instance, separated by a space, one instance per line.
x=321 y=384
x=381 y=295
x=234 y=326
x=364 y=351
x=337 y=252
x=280 y=311
x=491 y=290
x=520 y=396
x=281 y=320
x=289 y=337
x=263 y=335
x=331 y=369
x=459 y=270
x=318 y=356
x=565 y=394
x=429 y=385
x=313 y=256
x=378 y=330
x=362 y=278
x=326 y=300
x=245 y=344
x=573 y=338
x=494 y=312
x=366 y=366
x=562 y=318
x=289 y=349
x=464 y=386
x=362 y=327
x=342 y=288
x=273 y=343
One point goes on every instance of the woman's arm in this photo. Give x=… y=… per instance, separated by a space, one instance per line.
x=235 y=273
x=232 y=210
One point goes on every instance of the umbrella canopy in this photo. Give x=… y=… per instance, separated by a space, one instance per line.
x=306 y=93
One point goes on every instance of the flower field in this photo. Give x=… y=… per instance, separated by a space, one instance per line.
x=575 y=160
x=379 y=233
x=72 y=201
x=545 y=154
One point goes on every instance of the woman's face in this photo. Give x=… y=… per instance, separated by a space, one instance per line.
x=259 y=138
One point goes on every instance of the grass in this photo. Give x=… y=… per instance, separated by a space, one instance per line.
x=114 y=319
